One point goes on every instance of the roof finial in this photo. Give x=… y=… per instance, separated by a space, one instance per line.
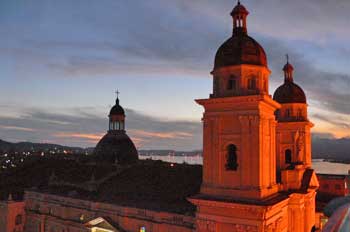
x=287 y=56
x=117 y=93
x=239 y=2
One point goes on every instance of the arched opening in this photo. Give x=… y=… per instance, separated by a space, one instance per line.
x=288 y=156
x=18 y=219
x=252 y=84
x=287 y=113
x=231 y=158
x=232 y=83
x=300 y=114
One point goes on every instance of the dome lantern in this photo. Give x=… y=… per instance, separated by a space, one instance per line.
x=288 y=71
x=239 y=15
x=289 y=92
x=117 y=116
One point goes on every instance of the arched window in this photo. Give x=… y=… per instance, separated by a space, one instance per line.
x=252 y=83
x=232 y=83
x=18 y=220
x=300 y=114
x=231 y=158
x=287 y=113
x=288 y=156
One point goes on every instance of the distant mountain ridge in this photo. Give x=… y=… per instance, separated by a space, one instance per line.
x=338 y=149
x=28 y=146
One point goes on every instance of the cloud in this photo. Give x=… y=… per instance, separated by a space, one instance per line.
x=92 y=138
x=16 y=128
x=162 y=135
x=163 y=38
x=82 y=127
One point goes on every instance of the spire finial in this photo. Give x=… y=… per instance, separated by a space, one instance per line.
x=239 y=2
x=117 y=94
x=288 y=71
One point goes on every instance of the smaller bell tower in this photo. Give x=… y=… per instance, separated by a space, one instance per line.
x=293 y=138
x=239 y=190
x=293 y=150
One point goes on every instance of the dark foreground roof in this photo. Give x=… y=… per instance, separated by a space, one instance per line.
x=153 y=185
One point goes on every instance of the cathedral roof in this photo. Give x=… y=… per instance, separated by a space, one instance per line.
x=147 y=184
x=289 y=92
x=116 y=146
x=240 y=49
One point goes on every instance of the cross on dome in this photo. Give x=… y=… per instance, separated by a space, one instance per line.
x=117 y=93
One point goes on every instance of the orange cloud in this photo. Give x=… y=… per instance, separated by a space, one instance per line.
x=92 y=137
x=139 y=142
x=16 y=128
x=162 y=135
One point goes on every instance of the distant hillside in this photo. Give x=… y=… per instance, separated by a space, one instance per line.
x=28 y=146
x=331 y=148
x=338 y=149
x=169 y=152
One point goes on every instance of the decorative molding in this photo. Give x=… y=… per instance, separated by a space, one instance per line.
x=244 y=228
x=206 y=225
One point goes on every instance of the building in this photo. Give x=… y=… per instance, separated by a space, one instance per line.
x=12 y=215
x=333 y=185
x=256 y=173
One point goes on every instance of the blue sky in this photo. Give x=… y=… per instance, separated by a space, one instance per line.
x=61 y=61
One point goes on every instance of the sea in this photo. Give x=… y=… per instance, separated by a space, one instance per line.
x=319 y=165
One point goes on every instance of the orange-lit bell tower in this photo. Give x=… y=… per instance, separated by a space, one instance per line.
x=293 y=149
x=245 y=185
x=239 y=190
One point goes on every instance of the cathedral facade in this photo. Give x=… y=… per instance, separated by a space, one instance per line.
x=256 y=174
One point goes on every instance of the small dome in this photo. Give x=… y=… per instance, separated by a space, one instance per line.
x=288 y=67
x=117 y=109
x=239 y=9
x=117 y=147
x=289 y=92
x=240 y=49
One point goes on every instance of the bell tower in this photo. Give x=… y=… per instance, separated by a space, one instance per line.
x=293 y=146
x=239 y=190
x=239 y=121
x=293 y=150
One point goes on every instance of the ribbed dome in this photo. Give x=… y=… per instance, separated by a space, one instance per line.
x=116 y=146
x=289 y=92
x=240 y=49
x=117 y=109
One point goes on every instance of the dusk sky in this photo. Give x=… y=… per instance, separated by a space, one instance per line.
x=62 y=60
